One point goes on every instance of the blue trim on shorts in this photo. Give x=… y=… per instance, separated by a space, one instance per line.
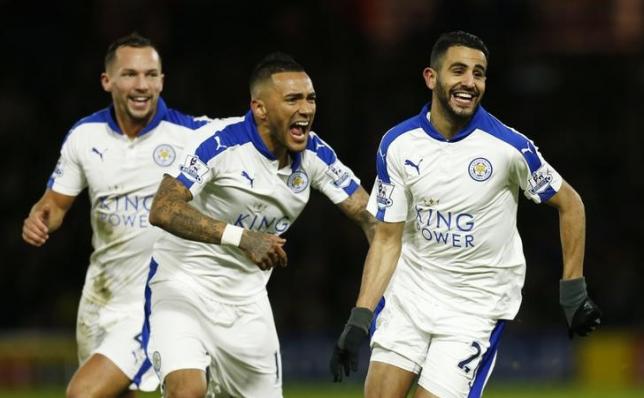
x=485 y=367
x=145 y=332
x=376 y=313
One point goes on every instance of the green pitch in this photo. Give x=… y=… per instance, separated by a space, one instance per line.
x=321 y=390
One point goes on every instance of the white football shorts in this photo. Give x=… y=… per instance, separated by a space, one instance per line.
x=454 y=353
x=238 y=342
x=115 y=332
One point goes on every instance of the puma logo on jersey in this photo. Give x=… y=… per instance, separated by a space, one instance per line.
x=412 y=164
x=99 y=153
x=245 y=175
x=527 y=148
x=219 y=144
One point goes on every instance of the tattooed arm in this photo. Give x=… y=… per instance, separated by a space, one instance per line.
x=172 y=212
x=355 y=207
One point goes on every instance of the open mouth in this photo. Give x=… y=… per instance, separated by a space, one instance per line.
x=463 y=98
x=139 y=102
x=298 y=130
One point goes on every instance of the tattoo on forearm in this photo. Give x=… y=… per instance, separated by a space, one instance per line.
x=175 y=215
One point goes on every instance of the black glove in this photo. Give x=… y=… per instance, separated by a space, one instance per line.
x=345 y=353
x=582 y=314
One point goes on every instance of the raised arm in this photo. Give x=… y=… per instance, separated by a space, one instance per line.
x=355 y=207
x=172 y=212
x=582 y=314
x=45 y=217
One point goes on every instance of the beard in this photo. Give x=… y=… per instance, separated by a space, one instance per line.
x=457 y=116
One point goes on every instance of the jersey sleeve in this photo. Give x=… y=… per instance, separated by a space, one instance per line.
x=388 y=200
x=68 y=177
x=538 y=179
x=328 y=174
x=197 y=167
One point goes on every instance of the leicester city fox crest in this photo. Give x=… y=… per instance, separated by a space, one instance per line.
x=480 y=169
x=164 y=155
x=298 y=181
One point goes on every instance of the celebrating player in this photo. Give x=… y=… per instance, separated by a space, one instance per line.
x=119 y=154
x=242 y=184
x=447 y=255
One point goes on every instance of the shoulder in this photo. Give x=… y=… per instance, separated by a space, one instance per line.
x=495 y=128
x=397 y=133
x=88 y=124
x=218 y=136
x=178 y=118
x=317 y=147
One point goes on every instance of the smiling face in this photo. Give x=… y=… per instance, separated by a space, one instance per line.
x=135 y=81
x=284 y=109
x=458 y=83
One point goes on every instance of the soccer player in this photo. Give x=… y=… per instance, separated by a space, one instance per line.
x=242 y=183
x=447 y=255
x=119 y=154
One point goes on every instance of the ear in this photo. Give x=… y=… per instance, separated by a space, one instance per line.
x=162 y=81
x=429 y=75
x=106 y=82
x=258 y=108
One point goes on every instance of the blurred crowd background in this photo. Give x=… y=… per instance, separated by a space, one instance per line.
x=569 y=74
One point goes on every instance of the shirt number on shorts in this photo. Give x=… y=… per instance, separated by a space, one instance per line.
x=464 y=364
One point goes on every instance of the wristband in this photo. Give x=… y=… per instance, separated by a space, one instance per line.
x=232 y=235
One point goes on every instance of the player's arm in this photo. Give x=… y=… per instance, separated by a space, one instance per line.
x=45 y=217
x=582 y=314
x=380 y=263
x=572 y=229
x=378 y=269
x=355 y=207
x=172 y=212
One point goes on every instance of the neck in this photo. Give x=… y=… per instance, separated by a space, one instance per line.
x=447 y=124
x=275 y=147
x=131 y=127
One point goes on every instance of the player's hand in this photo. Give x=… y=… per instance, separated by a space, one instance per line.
x=34 y=229
x=585 y=319
x=345 y=353
x=265 y=250
x=582 y=314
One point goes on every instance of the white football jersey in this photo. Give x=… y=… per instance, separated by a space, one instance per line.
x=458 y=199
x=122 y=176
x=234 y=178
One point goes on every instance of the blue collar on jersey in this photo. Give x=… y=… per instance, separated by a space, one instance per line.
x=256 y=139
x=159 y=115
x=467 y=130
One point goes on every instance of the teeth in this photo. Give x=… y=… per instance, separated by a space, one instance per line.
x=301 y=124
x=463 y=95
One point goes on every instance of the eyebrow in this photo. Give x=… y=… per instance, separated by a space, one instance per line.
x=299 y=95
x=462 y=65
x=145 y=70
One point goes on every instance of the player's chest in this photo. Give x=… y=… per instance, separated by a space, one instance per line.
x=252 y=182
x=455 y=171
x=117 y=164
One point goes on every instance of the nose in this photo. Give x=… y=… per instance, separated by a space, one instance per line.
x=468 y=79
x=141 y=83
x=307 y=108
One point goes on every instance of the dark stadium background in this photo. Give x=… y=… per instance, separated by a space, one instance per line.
x=568 y=74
